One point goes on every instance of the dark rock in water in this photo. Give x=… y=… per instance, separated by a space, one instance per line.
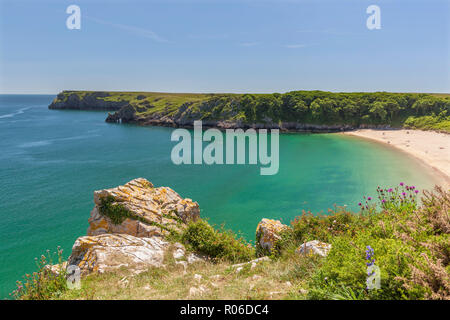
x=126 y=114
x=112 y=117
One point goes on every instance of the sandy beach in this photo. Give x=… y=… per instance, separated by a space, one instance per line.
x=432 y=148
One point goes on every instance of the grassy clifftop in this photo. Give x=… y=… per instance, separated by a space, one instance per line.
x=296 y=110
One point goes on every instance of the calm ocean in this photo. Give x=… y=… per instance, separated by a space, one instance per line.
x=52 y=161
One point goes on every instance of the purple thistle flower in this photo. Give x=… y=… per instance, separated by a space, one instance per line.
x=401 y=184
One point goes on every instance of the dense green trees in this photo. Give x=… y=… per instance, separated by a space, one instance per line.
x=319 y=107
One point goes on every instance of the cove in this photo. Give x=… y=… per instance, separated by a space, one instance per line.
x=51 y=162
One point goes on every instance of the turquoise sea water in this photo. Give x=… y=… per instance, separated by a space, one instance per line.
x=52 y=161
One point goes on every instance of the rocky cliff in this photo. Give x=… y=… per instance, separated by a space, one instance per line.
x=223 y=111
x=129 y=226
x=302 y=111
x=94 y=100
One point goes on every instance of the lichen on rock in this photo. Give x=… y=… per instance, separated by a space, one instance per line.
x=129 y=226
x=268 y=232
x=139 y=209
x=107 y=252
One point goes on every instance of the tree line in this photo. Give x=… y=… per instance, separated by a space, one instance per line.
x=335 y=108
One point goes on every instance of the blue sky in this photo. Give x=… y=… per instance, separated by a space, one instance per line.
x=225 y=46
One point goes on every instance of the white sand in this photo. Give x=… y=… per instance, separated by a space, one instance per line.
x=430 y=147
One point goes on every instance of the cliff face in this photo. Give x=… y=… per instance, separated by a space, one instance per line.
x=86 y=101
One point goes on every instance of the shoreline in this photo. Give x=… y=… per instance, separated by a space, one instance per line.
x=430 y=148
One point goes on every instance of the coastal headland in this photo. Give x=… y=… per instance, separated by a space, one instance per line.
x=301 y=111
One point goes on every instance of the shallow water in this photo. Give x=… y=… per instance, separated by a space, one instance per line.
x=52 y=161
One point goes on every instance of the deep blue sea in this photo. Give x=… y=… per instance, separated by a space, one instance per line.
x=51 y=162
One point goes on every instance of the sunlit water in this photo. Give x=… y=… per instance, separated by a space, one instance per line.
x=52 y=161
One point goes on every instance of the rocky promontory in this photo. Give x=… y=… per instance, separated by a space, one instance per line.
x=129 y=226
x=86 y=100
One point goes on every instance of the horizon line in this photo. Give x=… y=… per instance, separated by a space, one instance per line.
x=248 y=92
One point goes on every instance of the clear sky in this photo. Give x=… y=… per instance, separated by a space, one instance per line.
x=225 y=46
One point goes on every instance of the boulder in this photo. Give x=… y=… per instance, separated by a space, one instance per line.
x=267 y=233
x=195 y=257
x=179 y=252
x=314 y=247
x=141 y=210
x=107 y=252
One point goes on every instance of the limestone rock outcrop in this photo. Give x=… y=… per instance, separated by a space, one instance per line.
x=128 y=226
x=314 y=247
x=267 y=233
x=141 y=210
x=109 y=252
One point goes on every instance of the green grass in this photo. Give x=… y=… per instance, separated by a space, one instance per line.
x=268 y=280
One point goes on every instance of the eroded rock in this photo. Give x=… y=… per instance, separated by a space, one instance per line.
x=195 y=257
x=179 y=251
x=314 y=247
x=139 y=209
x=267 y=233
x=107 y=252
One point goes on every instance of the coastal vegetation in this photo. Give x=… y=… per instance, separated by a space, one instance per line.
x=43 y=284
x=406 y=237
x=221 y=244
x=346 y=110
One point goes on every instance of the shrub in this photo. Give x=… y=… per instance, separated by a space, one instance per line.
x=115 y=211
x=338 y=222
x=411 y=244
x=429 y=228
x=42 y=284
x=217 y=244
